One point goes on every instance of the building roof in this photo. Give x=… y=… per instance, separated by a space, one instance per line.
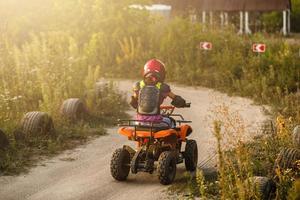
x=220 y=5
x=267 y=5
x=230 y=5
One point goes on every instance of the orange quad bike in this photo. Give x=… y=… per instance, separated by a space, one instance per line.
x=158 y=148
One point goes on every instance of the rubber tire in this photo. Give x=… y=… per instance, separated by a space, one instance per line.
x=73 y=109
x=120 y=158
x=191 y=155
x=4 y=142
x=296 y=137
x=286 y=158
x=265 y=187
x=166 y=167
x=37 y=123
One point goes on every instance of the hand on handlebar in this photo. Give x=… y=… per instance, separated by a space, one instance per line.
x=179 y=102
x=133 y=102
x=187 y=105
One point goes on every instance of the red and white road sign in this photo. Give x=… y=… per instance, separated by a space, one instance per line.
x=259 y=48
x=206 y=45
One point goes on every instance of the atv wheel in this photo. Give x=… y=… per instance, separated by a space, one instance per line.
x=191 y=155
x=264 y=186
x=166 y=167
x=120 y=164
x=287 y=159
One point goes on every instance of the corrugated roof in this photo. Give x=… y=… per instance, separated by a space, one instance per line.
x=221 y=5
x=230 y=5
x=267 y=5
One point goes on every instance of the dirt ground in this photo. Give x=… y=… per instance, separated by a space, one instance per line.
x=84 y=173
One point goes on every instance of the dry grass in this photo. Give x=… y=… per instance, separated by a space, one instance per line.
x=240 y=159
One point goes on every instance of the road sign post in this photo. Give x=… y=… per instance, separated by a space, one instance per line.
x=206 y=45
x=259 y=48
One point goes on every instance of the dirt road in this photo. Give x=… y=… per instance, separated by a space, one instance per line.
x=84 y=173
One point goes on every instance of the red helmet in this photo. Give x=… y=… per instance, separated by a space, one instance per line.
x=156 y=67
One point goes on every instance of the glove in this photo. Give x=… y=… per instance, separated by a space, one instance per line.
x=178 y=102
x=134 y=102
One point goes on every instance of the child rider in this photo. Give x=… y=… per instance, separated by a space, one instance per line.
x=149 y=94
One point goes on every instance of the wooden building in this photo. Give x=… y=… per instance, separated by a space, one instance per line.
x=244 y=7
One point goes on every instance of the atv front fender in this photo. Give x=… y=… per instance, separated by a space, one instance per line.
x=130 y=150
x=185 y=130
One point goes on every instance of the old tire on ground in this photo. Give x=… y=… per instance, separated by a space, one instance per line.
x=37 y=123
x=4 y=142
x=73 y=109
x=296 y=136
x=287 y=158
x=120 y=164
x=191 y=155
x=264 y=186
x=166 y=167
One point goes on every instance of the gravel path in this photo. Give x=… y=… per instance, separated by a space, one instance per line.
x=83 y=173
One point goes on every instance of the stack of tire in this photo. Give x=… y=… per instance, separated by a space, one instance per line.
x=289 y=157
x=74 y=109
x=264 y=187
x=38 y=124
x=286 y=159
x=34 y=124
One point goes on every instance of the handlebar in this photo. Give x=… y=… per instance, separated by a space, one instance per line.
x=187 y=105
x=167 y=107
x=168 y=110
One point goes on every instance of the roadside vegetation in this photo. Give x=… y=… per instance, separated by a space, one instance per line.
x=54 y=50
x=39 y=70
x=265 y=167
